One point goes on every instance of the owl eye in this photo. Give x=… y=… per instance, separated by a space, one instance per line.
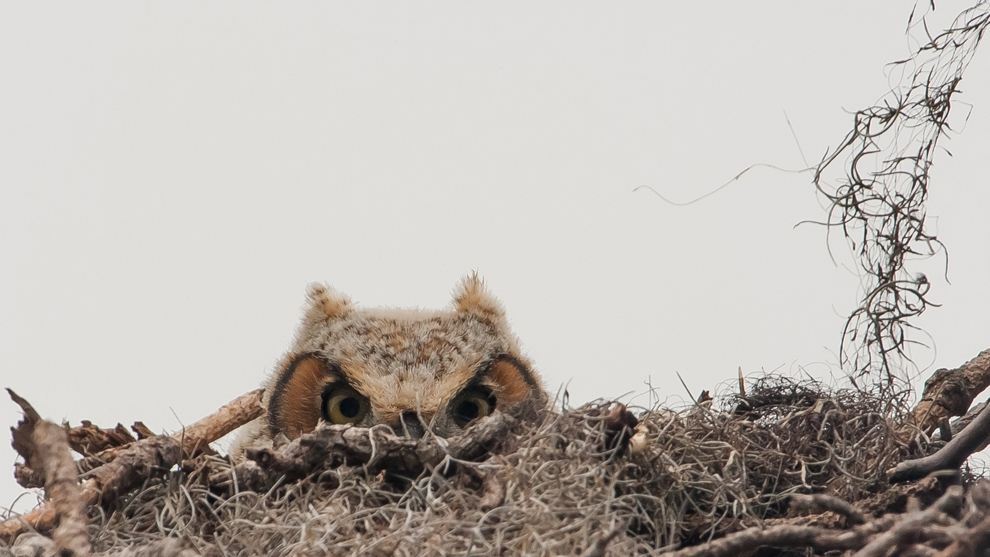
x=472 y=404
x=344 y=405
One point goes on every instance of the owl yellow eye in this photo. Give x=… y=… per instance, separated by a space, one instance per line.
x=344 y=405
x=470 y=405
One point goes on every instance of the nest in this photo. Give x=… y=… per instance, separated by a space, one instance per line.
x=789 y=466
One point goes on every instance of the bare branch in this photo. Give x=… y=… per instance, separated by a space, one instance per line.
x=909 y=525
x=823 y=502
x=330 y=446
x=876 y=183
x=970 y=440
x=951 y=392
x=131 y=464
x=822 y=539
x=46 y=446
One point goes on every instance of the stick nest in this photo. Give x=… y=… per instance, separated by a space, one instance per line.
x=598 y=479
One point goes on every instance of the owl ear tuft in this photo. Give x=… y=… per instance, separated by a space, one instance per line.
x=472 y=297
x=324 y=303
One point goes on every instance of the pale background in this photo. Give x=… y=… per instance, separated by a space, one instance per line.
x=173 y=174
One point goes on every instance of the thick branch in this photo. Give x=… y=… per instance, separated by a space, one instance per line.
x=62 y=487
x=911 y=523
x=46 y=445
x=960 y=423
x=975 y=539
x=974 y=438
x=951 y=392
x=822 y=539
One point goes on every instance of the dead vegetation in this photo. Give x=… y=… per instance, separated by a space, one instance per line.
x=778 y=467
x=787 y=466
x=876 y=184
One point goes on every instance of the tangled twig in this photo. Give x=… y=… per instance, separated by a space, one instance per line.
x=879 y=201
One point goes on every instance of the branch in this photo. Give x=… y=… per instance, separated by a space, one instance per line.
x=227 y=418
x=48 y=447
x=825 y=502
x=134 y=463
x=971 y=439
x=330 y=446
x=960 y=423
x=194 y=439
x=975 y=539
x=87 y=439
x=951 y=392
x=913 y=522
x=822 y=539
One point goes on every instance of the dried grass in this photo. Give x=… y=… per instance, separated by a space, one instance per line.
x=686 y=477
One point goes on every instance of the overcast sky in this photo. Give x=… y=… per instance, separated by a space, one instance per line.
x=173 y=174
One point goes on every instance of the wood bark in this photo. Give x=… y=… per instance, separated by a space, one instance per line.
x=130 y=464
x=46 y=445
x=968 y=441
x=950 y=393
x=376 y=449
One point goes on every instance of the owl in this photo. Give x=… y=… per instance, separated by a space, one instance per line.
x=416 y=371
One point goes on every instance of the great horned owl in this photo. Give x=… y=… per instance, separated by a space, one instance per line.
x=413 y=370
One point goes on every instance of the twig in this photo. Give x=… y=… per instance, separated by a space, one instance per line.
x=975 y=538
x=823 y=502
x=597 y=548
x=195 y=438
x=227 y=418
x=330 y=446
x=952 y=455
x=168 y=547
x=87 y=439
x=909 y=525
x=135 y=462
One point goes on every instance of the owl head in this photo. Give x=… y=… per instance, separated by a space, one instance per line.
x=413 y=370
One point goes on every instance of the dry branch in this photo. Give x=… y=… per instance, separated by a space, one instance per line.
x=960 y=423
x=823 y=502
x=952 y=455
x=698 y=475
x=950 y=393
x=133 y=463
x=87 y=439
x=47 y=447
x=970 y=542
x=62 y=488
x=911 y=523
x=227 y=418
x=330 y=446
x=822 y=539
x=194 y=438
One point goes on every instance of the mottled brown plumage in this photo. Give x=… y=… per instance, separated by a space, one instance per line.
x=413 y=370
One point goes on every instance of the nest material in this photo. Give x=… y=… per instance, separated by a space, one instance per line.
x=594 y=481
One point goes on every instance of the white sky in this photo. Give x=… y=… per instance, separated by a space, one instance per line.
x=173 y=174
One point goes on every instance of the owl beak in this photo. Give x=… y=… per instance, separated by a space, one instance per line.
x=410 y=424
